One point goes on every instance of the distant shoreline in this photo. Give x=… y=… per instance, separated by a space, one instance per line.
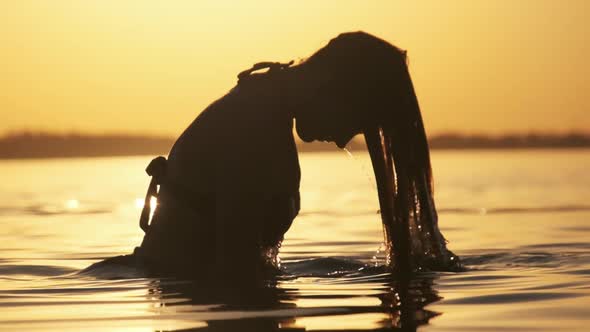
x=43 y=145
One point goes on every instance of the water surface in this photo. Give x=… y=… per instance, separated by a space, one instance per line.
x=520 y=220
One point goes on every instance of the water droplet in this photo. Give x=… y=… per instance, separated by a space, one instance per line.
x=348 y=153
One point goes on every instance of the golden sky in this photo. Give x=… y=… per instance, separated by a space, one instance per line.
x=152 y=66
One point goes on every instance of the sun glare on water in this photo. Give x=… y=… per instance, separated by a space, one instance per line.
x=139 y=203
x=72 y=204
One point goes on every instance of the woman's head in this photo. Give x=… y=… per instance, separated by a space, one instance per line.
x=360 y=84
x=355 y=82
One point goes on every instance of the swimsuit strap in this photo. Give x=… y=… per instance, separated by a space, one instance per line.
x=272 y=67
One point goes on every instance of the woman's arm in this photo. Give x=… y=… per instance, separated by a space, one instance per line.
x=280 y=212
x=248 y=223
x=238 y=233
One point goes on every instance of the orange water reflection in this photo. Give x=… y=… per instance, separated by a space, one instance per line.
x=529 y=267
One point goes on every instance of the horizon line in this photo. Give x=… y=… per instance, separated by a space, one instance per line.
x=131 y=134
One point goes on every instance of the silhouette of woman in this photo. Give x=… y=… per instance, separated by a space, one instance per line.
x=230 y=187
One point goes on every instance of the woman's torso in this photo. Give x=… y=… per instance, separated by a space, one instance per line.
x=241 y=145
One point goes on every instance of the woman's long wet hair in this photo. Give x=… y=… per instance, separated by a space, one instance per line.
x=371 y=76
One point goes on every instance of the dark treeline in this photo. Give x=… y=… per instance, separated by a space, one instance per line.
x=510 y=141
x=43 y=145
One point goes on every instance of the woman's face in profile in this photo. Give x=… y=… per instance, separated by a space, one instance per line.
x=329 y=119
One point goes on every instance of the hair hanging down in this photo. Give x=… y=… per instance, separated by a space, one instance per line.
x=415 y=213
x=374 y=76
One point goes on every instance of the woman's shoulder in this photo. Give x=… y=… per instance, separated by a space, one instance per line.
x=241 y=141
